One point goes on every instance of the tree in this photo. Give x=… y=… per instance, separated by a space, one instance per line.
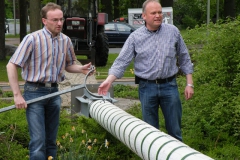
x=23 y=19
x=107 y=8
x=167 y=3
x=2 y=31
x=229 y=8
x=35 y=19
x=116 y=9
x=8 y=9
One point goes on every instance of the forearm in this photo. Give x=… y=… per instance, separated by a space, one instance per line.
x=13 y=78
x=74 y=68
x=111 y=79
x=189 y=79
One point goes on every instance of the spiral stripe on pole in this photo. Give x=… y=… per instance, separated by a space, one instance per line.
x=146 y=141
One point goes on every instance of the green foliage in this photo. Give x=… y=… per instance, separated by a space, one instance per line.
x=46 y=1
x=84 y=138
x=130 y=92
x=8 y=9
x=7 y=94
x=13 y=134
x=215 y=108
x=189 y=22
x=189 y=13
x=3 y=70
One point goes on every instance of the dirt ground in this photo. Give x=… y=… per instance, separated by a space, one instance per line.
x=12 y=41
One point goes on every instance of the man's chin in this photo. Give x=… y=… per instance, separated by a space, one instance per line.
x=158 y=22
x=58 y=30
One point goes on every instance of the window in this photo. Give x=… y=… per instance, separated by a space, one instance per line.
x=109 y=27
x=122 y=27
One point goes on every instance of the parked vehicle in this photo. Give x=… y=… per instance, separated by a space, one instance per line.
x=6 y=26
x=118 y=32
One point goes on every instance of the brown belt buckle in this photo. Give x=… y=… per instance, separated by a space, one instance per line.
x=48 y=84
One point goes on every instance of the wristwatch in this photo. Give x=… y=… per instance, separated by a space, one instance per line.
x=191 y=85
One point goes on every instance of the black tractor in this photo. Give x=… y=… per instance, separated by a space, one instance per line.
x=85 y=26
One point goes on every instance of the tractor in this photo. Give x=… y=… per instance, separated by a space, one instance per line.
x=85 y=26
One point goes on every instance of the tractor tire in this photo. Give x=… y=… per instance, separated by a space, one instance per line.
x=102 y=49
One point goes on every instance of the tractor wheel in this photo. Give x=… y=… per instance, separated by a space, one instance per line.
x=102 y=48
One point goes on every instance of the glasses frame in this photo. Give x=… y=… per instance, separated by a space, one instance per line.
x=55 y=20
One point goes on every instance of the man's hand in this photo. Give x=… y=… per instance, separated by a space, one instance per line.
x=104 y=87
x=20 y=103
x=188 y=92
x=86 y=68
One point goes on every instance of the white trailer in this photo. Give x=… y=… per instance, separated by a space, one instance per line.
x=135 y=16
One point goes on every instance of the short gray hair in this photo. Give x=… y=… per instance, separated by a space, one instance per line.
x=146 y=2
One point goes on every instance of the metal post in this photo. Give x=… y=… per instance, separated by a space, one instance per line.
x=208 y=12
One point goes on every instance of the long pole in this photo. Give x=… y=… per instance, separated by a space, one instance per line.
x=143 y=139
x=44 y=97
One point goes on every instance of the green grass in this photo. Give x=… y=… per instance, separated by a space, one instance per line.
x=3 y=70
x=11 y=35
x=101 y=72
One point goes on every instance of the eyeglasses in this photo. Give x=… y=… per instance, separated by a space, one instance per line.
x=56 y=20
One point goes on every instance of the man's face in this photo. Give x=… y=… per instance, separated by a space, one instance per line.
x=54 y=21
x=153 y=15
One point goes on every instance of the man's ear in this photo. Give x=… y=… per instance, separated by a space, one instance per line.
x=44 y=21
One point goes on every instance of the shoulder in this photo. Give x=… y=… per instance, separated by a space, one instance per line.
x=64 y=37
x=169 y=27
x=139 y=32
x=39 y=34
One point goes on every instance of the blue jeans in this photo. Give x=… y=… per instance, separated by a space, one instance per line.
x=43 y=121
x=166 y=96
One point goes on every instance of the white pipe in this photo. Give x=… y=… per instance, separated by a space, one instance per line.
x=146 y=141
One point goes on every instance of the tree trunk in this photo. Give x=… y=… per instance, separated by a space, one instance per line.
x=2 y=31
x=107 y=8
x=229 y=8
x=116 y=9
x=167 y=3
x=35 y=19
x=23 y=18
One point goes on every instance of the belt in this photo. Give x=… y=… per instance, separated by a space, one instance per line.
x=159 y=81
x=47 y=84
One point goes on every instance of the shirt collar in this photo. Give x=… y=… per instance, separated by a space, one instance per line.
x=146 y=29
x=49 y=34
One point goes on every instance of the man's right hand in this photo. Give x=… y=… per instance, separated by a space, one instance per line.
x=104 y=87
x=20 y=103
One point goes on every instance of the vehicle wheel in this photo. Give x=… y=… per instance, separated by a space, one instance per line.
x=102 y=49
